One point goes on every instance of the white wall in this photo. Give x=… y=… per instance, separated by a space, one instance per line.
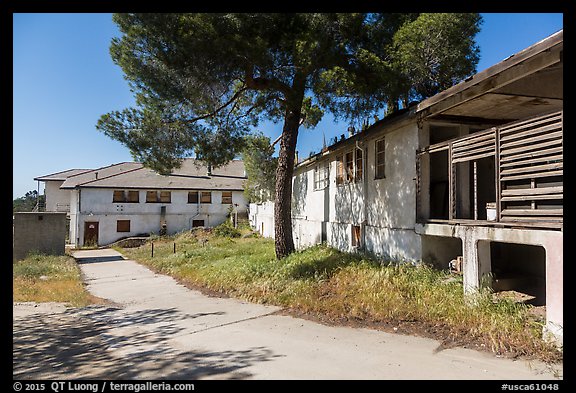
x=261 y=218
x=385 y=209
x=57 y=200
x=97 y=205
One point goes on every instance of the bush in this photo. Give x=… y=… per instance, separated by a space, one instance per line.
x=226 y=230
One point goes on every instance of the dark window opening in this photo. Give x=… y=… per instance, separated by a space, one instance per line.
x=193 y=197
x=123 y=226
x=151 y=197
x=197 y=223
x=380 y=159
x=439 y=190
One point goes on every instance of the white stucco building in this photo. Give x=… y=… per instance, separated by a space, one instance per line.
x=127 y=199
x=474 y=172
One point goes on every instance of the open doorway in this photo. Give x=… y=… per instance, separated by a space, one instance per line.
x=520 y=268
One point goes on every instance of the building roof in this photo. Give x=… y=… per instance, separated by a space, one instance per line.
x=191 y=175
x=61 y=175
x=100 y=173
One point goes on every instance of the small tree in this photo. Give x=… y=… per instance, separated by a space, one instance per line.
x=260 y=168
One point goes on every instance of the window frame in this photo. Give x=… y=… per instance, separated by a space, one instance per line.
x=116 y=199
x=165 y=197
x=359 y=169
x=340 y=169
x=203 y=194
x=156 y=197
x=133 y=192
x=230 y=197
x=380 y=173
x=197 y=197
x=321 y=176
x=123 y=229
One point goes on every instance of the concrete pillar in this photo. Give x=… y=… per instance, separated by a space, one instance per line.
x=554 y=329
x=477 y=262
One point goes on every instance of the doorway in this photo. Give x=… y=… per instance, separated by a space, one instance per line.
x=91 y=233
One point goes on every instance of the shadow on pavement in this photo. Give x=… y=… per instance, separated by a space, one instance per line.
x=111 y=258
x=107 y=343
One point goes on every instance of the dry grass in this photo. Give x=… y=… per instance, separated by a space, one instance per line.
x=48 y=278
x=341 y=287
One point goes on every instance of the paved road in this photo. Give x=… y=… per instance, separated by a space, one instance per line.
x=159 y=329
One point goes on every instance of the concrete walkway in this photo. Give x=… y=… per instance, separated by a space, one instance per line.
x=159 y=329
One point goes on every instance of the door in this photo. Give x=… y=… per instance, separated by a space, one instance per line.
x=91 y=233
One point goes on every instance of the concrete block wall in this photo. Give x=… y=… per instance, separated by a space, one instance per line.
x=41 y=232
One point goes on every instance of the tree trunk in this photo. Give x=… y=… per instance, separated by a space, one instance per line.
x=284 y=242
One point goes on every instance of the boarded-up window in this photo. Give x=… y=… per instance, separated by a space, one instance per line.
x=123 y=226
x=151 y=196
x=339 y=170
x=197 y=223
x=358 y=176
x=134 y=196
x=165 y=196
x=380 y=159
x=355 y=235
x=206 y=197
x=118 y=196
x=227 y=197
x=192 y=196
x=350 y=166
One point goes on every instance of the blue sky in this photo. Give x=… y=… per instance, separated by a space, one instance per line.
x=64 y=80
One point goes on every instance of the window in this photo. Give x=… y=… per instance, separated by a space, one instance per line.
x=339 y=170
x=118 y=196
x=165 y=196
x=133 y=196
x=350 y=166
x=123 y=226
x=197 y=223
x=380 y=159
x=193 y=197
x=206 y=197
x=321 y=177
x=358 y=175
x=151 y=196
x=227 y=197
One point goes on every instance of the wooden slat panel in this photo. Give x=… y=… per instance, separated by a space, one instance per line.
x=474 y=157
x=556 y=158
x=525 y=149
x=539 y=138
x=535 y=131
x=490 y=144
x=533 y=212
x=533 y=191
x=461 y=153
x=531 y=175
x=532 y=197
x=532 y=168
x=477 y=137
x=543 y=152
x=535 y=121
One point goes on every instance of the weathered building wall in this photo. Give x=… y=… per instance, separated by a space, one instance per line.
x=57 y=200
x=96 y=205
x=261 y=218
x=38 y=232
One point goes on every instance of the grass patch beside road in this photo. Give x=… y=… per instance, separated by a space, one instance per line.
x=344 y=288
x=49 y=278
